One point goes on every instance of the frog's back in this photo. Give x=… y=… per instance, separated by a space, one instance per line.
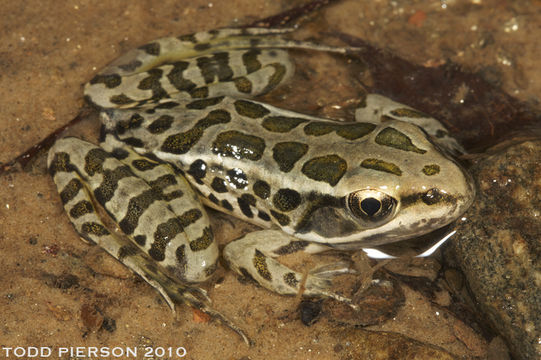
x=271 y=166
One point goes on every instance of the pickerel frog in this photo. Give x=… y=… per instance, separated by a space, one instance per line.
x=180 y=131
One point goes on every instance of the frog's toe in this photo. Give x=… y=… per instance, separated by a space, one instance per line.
x=330 y=270
x=320 y=284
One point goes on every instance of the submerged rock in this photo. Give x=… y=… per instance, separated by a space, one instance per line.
x=499 y=246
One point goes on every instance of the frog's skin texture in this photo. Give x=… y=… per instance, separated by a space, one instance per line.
x=180 y=131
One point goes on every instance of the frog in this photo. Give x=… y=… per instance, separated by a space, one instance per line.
x=181 y=131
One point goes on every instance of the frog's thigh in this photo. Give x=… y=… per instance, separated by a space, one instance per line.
x=253 y=255
x=180 y=221
x=253 y=73
x=79 y=206
x=143 y=210
x=202 y=65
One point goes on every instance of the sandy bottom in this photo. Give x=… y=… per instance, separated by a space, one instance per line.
x=57 y=291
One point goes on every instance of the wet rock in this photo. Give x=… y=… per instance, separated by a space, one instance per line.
x=91 y=316
x=310 y=311
x=499 y=246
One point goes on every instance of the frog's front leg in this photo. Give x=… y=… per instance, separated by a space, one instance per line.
x=255 y=254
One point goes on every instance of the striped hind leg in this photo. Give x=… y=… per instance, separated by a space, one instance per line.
x=154 y=207
x=176 y=217
x=82 y=213
x=234 y=62
x=201 y=65
x=87 y=175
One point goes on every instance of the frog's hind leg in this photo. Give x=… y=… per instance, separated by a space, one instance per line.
x=80 y=208
x=174 y=216
x=254 y=256
x=86 y=174
x=179 y=75
x=245 y=62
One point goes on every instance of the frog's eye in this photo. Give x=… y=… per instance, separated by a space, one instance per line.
x=372 y=206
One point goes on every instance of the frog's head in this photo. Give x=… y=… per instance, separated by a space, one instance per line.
x=400 y=186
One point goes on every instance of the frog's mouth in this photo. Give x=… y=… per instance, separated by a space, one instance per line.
x=395 y=241
x=435 y=243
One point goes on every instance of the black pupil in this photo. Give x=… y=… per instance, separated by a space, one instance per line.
x=370 y=206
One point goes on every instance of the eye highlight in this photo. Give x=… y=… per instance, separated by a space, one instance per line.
x=372 y=206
